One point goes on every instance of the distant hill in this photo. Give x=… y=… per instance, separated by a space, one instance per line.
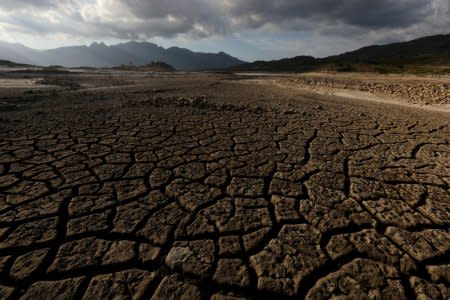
x=10 y=64
x=430 y=50
x=131 y=53
x=153 y=67
x=428 y=53
x=303 y=63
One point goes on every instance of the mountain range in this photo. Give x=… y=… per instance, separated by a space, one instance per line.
x=430 y=53
x=131 y=53
x=427 y=54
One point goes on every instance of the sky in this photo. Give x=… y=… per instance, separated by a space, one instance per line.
x=248 y=29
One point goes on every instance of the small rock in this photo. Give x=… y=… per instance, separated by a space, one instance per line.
x=177 y=256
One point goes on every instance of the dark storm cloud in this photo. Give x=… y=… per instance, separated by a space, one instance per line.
x=203 y=18
x=360 y=13
x=215 y=16
x=194 y=14
x=219 y=17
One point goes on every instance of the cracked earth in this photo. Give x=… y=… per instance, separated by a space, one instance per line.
x=114 y=194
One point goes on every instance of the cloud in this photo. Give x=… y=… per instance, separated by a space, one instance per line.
x=20 y=4
x=361 y=13
x=158 y=17
x=359 y=21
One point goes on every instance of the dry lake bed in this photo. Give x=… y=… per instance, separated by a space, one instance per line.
x=134 y=185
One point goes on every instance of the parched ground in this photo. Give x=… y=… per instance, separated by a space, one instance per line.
x=200 y=187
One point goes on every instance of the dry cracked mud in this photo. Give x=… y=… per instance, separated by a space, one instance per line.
x=136 y=193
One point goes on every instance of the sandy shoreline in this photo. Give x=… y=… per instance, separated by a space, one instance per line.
x=365 y=96
x=288 y=81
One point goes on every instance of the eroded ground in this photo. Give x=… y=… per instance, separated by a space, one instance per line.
x=198 y=187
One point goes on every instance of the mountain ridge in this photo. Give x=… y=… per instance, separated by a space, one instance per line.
x=422 y=54
x=98 y=54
